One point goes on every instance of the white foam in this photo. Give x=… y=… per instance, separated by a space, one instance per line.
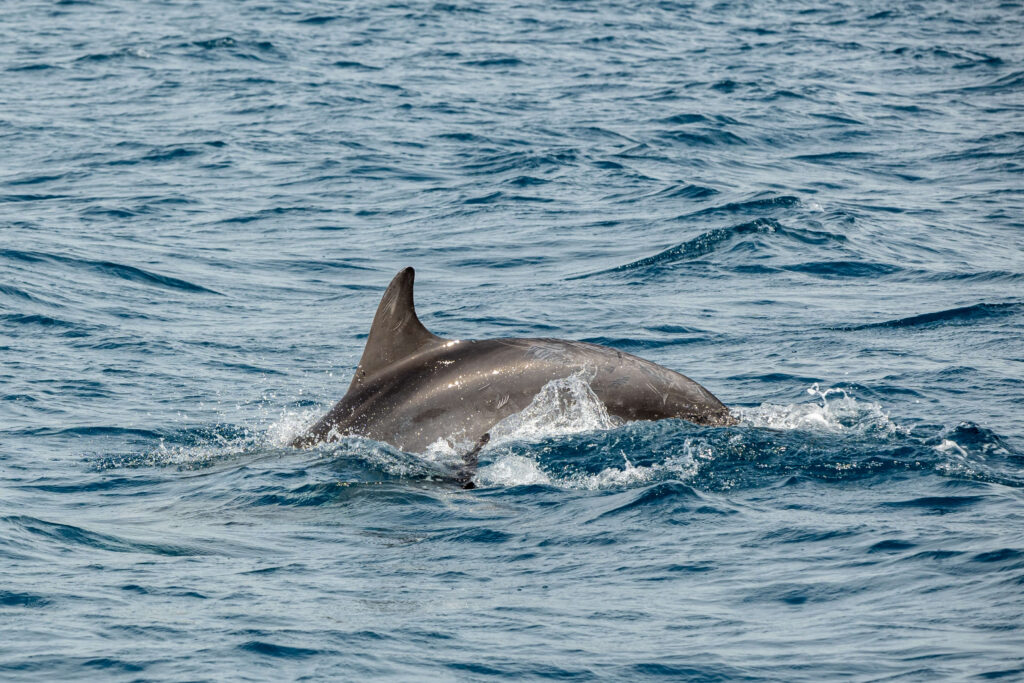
x=194 y=456
x=289 y=425
x=682 y=466
x=512 y=470
x=444 y=453
x=215 y=447
x=841 y=414
x=949 y=446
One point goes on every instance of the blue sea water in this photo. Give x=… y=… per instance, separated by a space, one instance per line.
x=815 y=210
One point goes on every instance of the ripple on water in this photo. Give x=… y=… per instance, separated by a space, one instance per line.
x=202 y=203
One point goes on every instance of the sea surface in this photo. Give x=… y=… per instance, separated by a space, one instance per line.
x=816 y=210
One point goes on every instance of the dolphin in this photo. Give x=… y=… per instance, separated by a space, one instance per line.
x=412 y=388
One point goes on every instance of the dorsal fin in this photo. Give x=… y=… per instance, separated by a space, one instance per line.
x=396 y=331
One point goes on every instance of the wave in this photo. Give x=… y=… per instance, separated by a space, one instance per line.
x=497 y=162
x=93 y=430
x=826 y=158
x=1008 y=83
x=319 y=19
x=120 y=270
x=682 y=191
x=36 y=179
x=963 y=314
x=13 y=599
x=17 y=293
x=703 y=136
x=716 y=240
x=124 y=53
x=71 y=329
x=76 y=537
x=495 y=62
x=669 y=497
x=37 y=66
x=169 y=153
x=747 y=207
x=968 y=276
x=266 y=649
x=346 y=64
x=11 y=198
x=701 y=245
x=276 y=212
x=844 y=268
x=249 y=49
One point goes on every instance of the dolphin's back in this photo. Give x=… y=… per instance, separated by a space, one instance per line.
x=431 y=388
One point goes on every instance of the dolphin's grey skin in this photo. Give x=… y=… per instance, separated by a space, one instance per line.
x=412 y=388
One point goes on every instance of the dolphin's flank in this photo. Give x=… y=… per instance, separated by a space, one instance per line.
x=412 y=387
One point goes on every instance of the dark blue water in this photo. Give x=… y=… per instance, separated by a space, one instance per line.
x=813 y=210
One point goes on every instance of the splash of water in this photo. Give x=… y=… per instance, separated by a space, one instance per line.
x=563 y=406
x=682 y=466
x=199 y=449
x=842 y=414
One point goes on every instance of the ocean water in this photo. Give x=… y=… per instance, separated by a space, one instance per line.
x=815 y=210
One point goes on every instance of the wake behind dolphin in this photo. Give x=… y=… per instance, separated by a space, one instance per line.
x=412 y=388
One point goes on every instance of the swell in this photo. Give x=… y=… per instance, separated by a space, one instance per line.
x=962 y=314
x=109 y=268
x=92 y=430
x=720 y=239
x=843 y=268
x=33 y=529
x=64 y=327
x=748 y=207
x=663 y=498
